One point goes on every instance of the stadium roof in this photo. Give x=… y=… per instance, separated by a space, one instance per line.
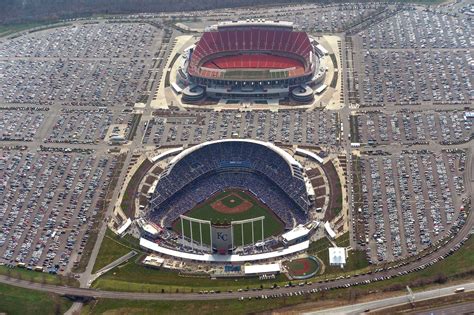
x=224 y=258
x=329 y=230
x=290 y=160
x=124 y=226
x=310 y=154
x=166 y=154
x=253 y=22
x=296 y=233
x=259 y=269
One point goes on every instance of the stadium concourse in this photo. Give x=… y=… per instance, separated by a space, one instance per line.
x=255 y=59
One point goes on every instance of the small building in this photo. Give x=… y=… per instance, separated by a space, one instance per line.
x=329 y=230
x=122 y=229
x=298 y=234
x=149 y=229
x=153 y=261
x=252 y=270
x=337 y=256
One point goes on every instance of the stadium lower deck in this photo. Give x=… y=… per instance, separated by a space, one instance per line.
x=268 y=193
x=254 y=61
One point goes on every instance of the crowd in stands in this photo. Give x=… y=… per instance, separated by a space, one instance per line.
x=203 y=188
x=251 y=39
x=238 y=164
x=259 y=61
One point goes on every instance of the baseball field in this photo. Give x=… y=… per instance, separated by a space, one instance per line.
x=232 y=205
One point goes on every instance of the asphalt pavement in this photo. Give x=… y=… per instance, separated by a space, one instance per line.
x=419 y=296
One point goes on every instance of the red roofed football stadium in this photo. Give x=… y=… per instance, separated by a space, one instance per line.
x=252 y=59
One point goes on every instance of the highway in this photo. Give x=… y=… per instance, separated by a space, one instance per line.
x=455 y=309
x=373 y=305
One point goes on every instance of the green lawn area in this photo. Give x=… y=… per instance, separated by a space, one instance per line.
x=343 y=240
x=6 y=30
x=14 y=300
x=271 y=224
x=35 y=276
x=134 y=277
x=456 y=265
x=356 y=259
x=184 y=307
x=112 y=248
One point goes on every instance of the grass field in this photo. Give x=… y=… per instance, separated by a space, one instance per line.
x=227 y=307
x=356 y=259
x=39 y=277
x=6 y=30
x=272 y=225
x=453 y=267
x=134 y=277
x=110 y=250
x=14 y=300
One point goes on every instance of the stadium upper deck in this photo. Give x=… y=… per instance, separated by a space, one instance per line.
x=246 y=50
x=238 y=156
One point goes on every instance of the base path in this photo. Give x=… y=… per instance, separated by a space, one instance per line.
x=243 y=206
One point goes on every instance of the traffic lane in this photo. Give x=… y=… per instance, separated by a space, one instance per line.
x=388 y=302
x=464 y=308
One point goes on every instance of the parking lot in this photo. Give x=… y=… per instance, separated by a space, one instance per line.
x=20 y=123
x=100 y=63
x=297 y=127
x=48 y=202
x=80 y=126
x=311 y=17
x=409 y=127
x=415 y=57
x=54 y=165
x=409 y=201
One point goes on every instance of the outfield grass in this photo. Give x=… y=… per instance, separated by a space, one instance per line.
x=271 y=224
x=14 y=300
x=110 y=250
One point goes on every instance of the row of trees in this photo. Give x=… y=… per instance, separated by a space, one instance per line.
x=13 y=11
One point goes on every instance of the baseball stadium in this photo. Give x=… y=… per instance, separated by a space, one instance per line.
x=231 y=200
x=255 y=59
